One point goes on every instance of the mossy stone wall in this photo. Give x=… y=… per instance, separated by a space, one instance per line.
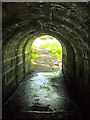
x=68 y=22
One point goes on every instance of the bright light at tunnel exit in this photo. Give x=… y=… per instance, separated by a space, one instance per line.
x=49 y=46
x=45 y=39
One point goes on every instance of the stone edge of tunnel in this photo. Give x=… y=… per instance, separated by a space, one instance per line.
x=45 y=0
x=0 y=59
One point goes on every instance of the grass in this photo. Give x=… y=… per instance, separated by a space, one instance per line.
x=54 y=49
x=34 y=55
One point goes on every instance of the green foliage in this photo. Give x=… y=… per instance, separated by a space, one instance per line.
x=54 y=49
x=34 y=54
x=45 y=37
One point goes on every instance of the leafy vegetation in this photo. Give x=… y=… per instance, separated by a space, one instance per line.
x=51 y=45
x=45 y=37
x=34 y=55
x=54 y=49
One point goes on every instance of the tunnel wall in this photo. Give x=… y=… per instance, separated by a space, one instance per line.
x=69 y=64
x=16 y=65
x=82 y=65
x=68 y=22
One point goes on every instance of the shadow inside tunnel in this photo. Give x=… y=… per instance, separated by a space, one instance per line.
x=43 y=95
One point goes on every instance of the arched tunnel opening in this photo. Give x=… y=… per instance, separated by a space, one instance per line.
x=46 y=54
x=44 y=95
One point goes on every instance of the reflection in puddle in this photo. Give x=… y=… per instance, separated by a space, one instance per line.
x=42 y=80
x=46 y=88
x=42 y=87
x=53 y=73
x=40 y=94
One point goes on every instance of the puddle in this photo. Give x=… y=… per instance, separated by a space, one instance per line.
x=41 y=95
x=53 y=73
x=41 y=108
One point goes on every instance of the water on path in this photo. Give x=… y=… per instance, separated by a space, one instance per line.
x=44 y=95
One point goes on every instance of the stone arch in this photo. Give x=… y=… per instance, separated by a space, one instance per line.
x=67 y=22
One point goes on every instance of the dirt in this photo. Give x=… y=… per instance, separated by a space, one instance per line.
x=46 y=62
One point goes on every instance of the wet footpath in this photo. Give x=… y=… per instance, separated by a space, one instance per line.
x=42 y=96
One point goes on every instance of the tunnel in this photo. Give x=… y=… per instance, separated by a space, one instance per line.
x=68 y=22
x=46 y=54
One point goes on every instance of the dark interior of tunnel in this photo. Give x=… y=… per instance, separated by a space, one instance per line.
x=69 y=22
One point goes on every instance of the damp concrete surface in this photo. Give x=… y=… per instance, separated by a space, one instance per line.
x=42 y=95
